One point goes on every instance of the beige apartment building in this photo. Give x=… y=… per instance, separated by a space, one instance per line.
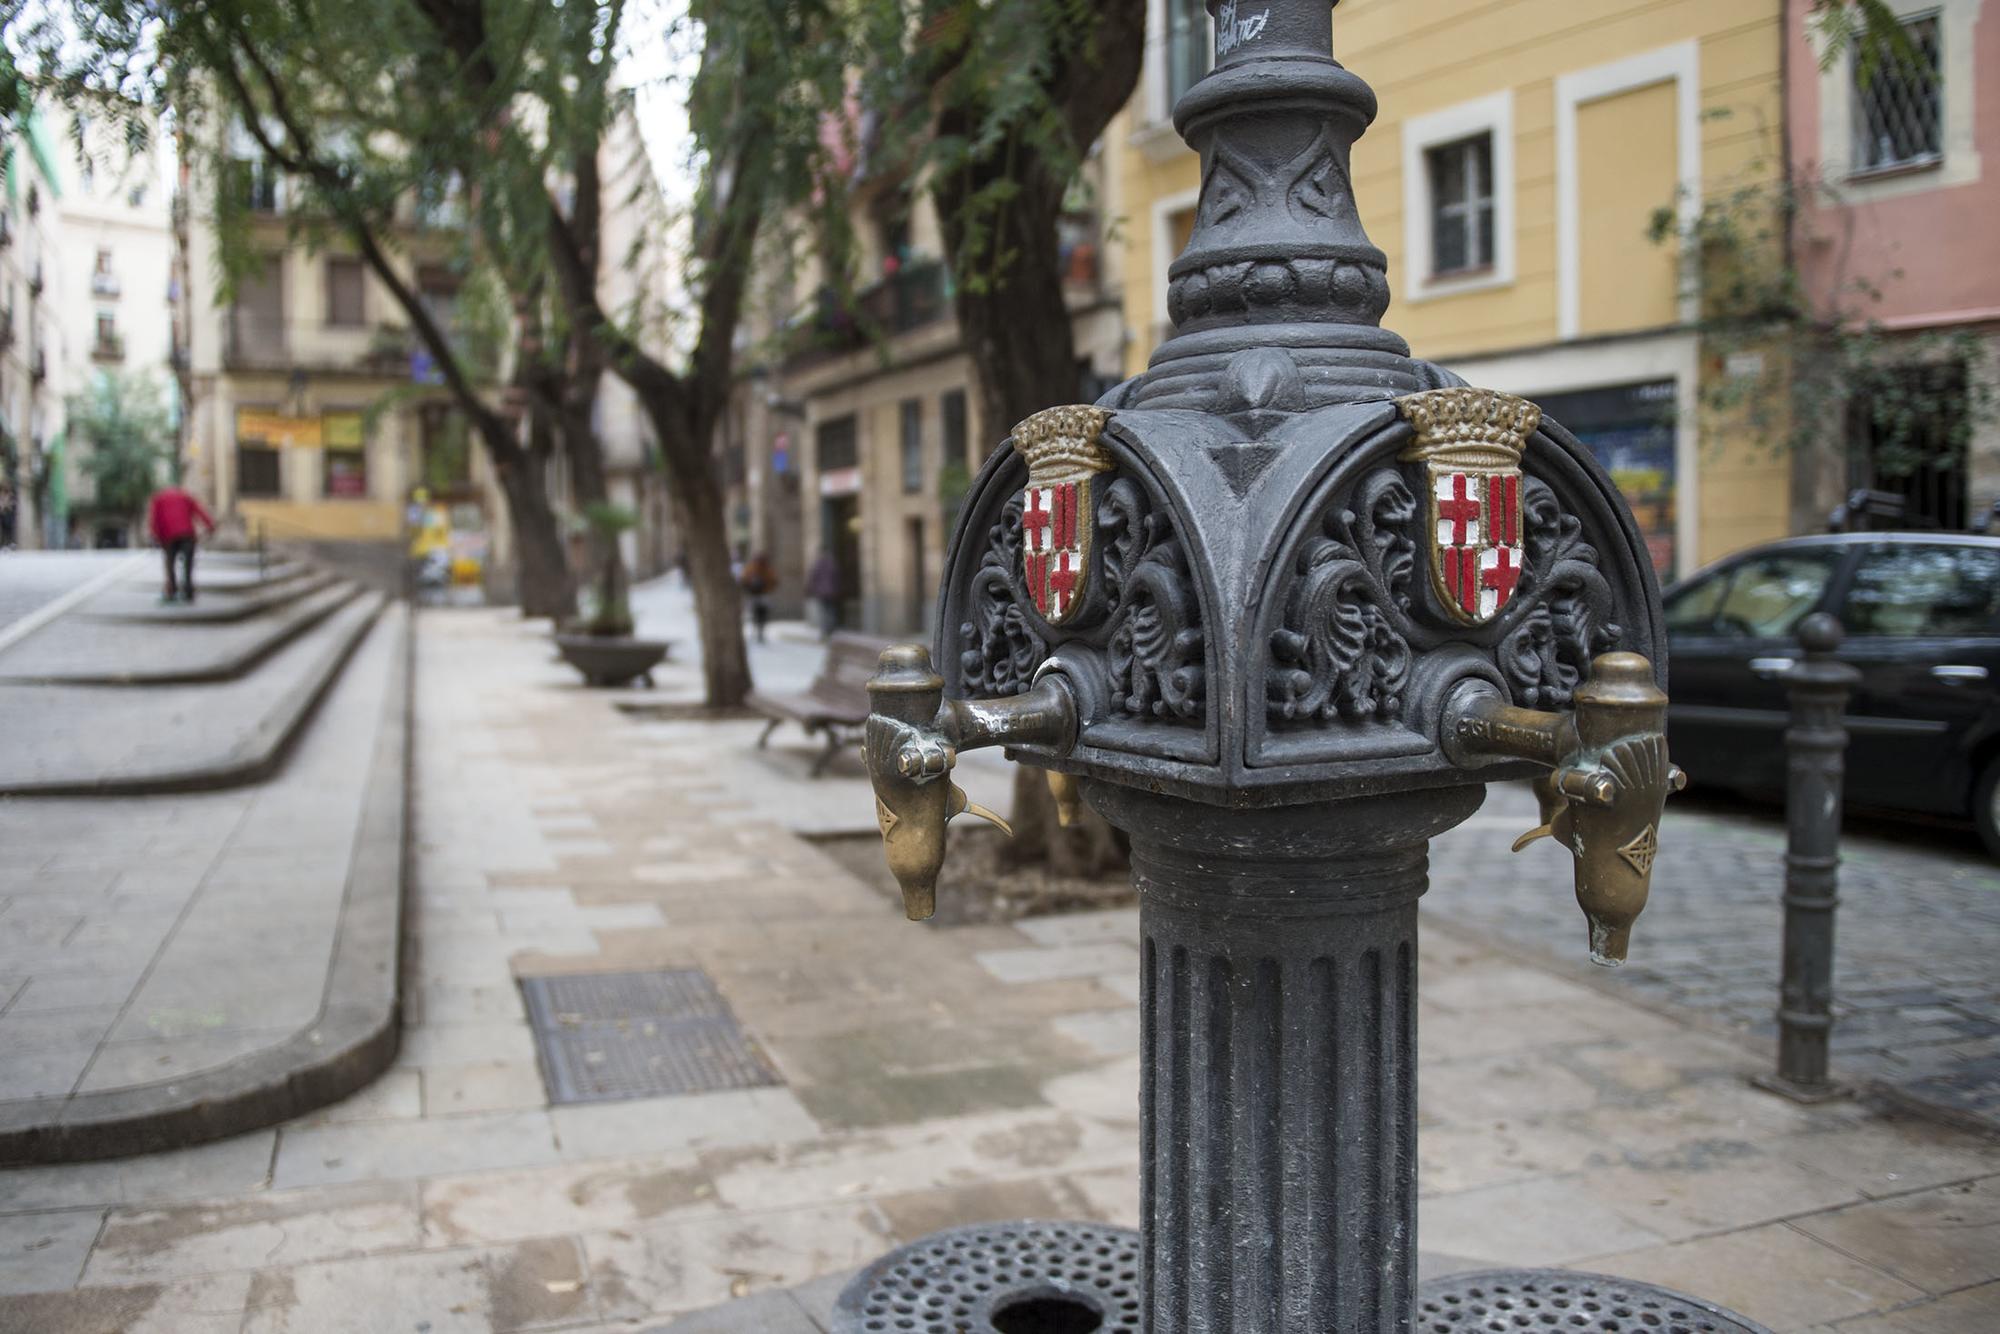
x=862 y=447
x=315 y=413
x=318 y=415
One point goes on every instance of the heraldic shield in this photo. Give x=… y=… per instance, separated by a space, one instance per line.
x=1064 y=455
x=1470 y=443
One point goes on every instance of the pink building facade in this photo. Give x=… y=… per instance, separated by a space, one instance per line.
x=1899 y=225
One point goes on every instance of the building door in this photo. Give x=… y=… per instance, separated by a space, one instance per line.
x=840 y=520
x=1907 y=440
x=1630 y=430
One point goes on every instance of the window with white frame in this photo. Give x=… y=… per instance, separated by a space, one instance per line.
x=1461 y=185
x=1458 y=198
x=1899 y=100
x=1901 y=117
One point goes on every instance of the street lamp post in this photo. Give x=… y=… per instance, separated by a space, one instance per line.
x=1279 y=608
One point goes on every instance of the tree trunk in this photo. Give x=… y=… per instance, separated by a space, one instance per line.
x=718 y=603
x=541 y=567
x=590 y=481
x=1017 y=334
x=1016 y=325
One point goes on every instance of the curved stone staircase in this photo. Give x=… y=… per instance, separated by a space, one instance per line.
x=202 y=807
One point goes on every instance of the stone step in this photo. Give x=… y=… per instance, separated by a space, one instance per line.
x=227 y=573
x=202 y=964
x=105 y=740
x=81 y=650
x=212 y=604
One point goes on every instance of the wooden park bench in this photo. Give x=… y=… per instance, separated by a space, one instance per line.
x=835 y=704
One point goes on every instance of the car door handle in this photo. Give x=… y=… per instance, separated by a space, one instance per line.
x=1959 y=674
x=1770 y=668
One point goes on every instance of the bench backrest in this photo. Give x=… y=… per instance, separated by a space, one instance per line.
x=850 y=661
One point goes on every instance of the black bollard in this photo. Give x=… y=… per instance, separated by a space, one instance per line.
x=1815 y=746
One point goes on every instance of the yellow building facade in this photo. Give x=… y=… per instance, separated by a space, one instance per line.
x=314 y=416
x=1512 y=178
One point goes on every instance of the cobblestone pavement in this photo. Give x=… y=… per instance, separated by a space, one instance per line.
x=1917 y=938
x=30 y=580
x=928 y=1077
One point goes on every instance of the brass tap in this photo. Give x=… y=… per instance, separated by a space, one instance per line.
x=1607 y=784
x=911 y=742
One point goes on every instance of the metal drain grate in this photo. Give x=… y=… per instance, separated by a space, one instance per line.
x=1509 y=1301
x=998 y=1277
x=607 y=1036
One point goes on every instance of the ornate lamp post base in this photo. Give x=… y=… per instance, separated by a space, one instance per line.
x=1279 y=609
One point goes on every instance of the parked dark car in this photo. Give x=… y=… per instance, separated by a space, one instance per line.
x=1921 y=613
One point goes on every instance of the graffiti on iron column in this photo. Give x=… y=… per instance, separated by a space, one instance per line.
x=1232 y=32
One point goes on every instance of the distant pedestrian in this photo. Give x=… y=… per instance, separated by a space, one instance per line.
x=172 y=515
x=759 y=579
x=823 y=587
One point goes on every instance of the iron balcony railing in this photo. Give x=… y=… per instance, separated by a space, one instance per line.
x=916 y=295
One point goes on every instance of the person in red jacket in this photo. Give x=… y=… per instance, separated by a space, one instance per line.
x=172 y=515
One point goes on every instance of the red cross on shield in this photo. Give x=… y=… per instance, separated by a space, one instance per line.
x=1476 y=540
x=1055 y=544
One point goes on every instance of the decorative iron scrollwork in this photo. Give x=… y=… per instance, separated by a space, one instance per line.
x=1566 y=606
x=1340 y=650
x=1156 y=642
x=1002 y=648
x=1343 y=648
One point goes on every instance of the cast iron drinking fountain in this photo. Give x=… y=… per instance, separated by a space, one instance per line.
x=1280 y=608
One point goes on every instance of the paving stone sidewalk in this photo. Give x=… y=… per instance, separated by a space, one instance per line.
x=1916 y=982
x=929 y=1077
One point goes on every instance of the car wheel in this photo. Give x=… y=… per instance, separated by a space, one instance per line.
x=1986 y=808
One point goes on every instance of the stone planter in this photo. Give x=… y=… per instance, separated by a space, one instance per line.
x=607 y=660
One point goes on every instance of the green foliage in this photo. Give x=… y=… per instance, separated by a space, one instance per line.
x=127 y=423
x=1803 y=363
x=612 y=612
x=978 y=92
x=607 y=520
x=1869 y=28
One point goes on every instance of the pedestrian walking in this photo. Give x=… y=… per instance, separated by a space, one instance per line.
x=172 y=515
x=759 y=579
x=823 y=587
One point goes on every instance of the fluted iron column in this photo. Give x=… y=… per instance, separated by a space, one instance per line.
x=1278 y=1100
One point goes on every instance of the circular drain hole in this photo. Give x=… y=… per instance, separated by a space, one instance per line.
x=1047 y=1315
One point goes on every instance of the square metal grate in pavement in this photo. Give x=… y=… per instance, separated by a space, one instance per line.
x=607 y=1036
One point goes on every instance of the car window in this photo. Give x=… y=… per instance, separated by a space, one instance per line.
x=1691 y=610
x=1768 y=595
x=1912 y=589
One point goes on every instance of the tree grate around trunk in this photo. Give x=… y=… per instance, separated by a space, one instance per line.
x=609 y=1036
